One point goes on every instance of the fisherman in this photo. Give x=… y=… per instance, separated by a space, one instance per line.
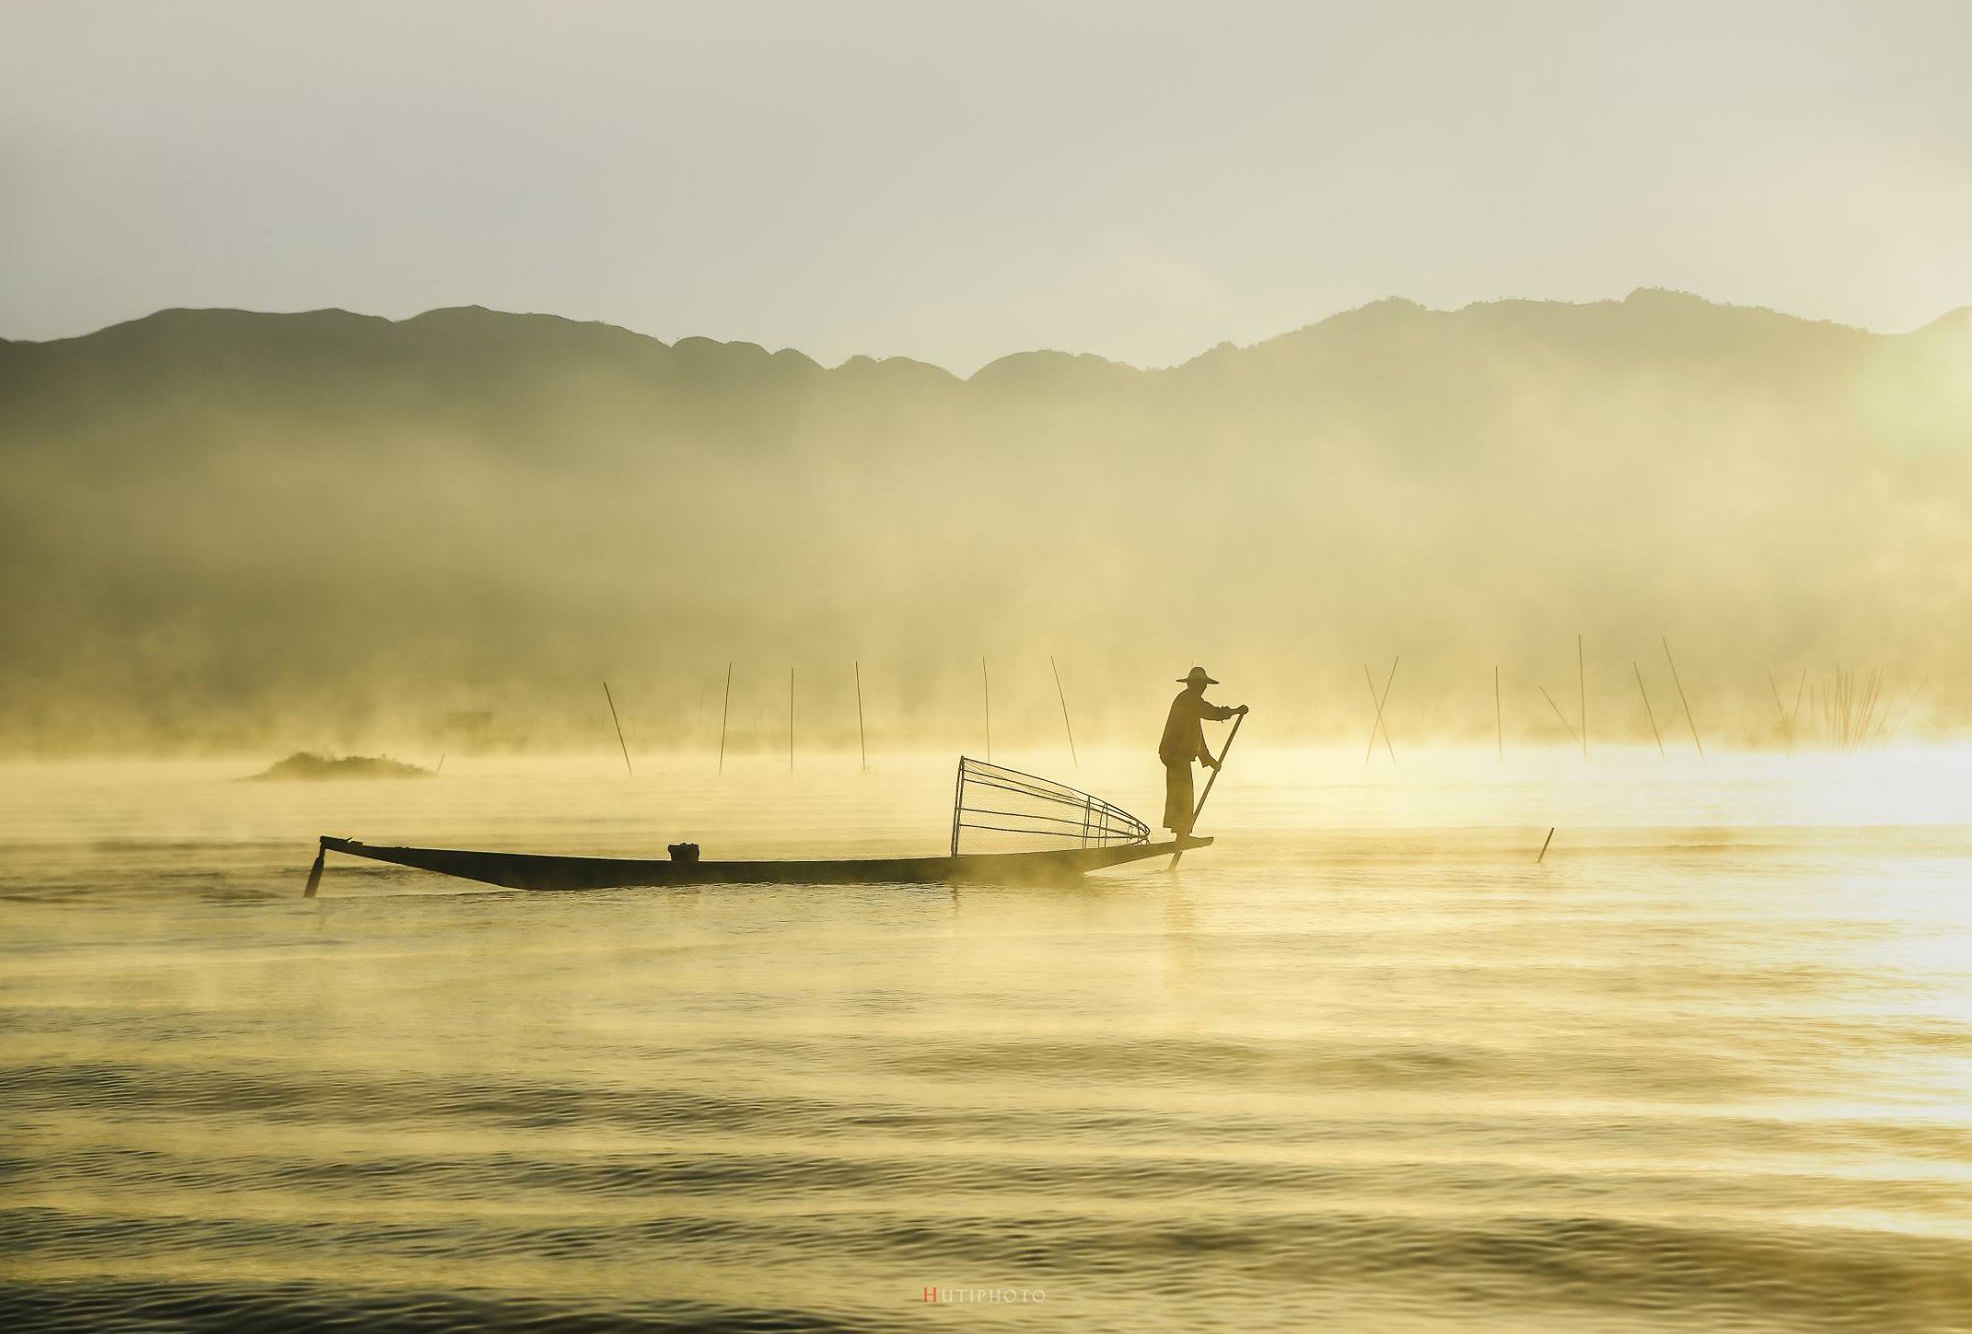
x=1184 y=741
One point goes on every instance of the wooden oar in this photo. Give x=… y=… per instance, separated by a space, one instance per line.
x=315 y=872
x=1206 y=795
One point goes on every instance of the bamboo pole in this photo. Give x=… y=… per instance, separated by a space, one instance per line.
x=1649 y=712
x=1379 y=725
x=619 y=731
x=1582 y=682
x=1690 y=722
x=1897 y=721
x=725 y=712
x=1383 y=706
x=1068 y=726
x=1499 y=717
x=862 y=741
x=1786 y=730
x=1369 y=683
x=1566 y=726
x=986 y=684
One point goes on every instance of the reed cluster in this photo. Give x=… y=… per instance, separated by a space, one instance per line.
x=1850 y=708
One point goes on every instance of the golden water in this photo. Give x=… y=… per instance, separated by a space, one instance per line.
x=1364 y=1065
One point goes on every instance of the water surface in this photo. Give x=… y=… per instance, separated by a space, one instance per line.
x=1365 y=1065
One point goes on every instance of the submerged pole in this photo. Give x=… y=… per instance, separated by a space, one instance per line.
x=862 y=742
x=1499 y=717
x=1582 y=683
x=1070 y=727
x=725 y=712
x=1383 y=705
x=1566 y=726
x=1647 y=711
x=1369 y=750
x=1786 y=731
x=1690 y=722
x=619 y=731
x=1379 y=725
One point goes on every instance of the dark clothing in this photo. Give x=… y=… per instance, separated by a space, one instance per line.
x=1184 y=741
x=1177 y=797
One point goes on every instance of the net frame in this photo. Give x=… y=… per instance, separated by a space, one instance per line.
x=983 y=793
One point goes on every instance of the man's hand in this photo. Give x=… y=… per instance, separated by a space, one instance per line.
x=1240 y=710
x=1208 y=761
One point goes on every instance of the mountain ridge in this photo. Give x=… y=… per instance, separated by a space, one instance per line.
x=1385 y=311
x=294 y=528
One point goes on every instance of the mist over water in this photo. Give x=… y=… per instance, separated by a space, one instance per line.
x=223 y=530
x=592 y=428
x=1364 y=1064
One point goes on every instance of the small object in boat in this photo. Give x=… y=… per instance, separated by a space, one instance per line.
x=683 y=852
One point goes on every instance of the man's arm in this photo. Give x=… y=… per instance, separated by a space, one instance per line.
x=1218 y=713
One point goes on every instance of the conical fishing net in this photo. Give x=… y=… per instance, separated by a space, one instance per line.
x=997 y=809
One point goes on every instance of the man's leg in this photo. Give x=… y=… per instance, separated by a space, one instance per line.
x=1177 y=798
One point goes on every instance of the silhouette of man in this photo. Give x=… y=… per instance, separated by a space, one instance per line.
x=1184 y=741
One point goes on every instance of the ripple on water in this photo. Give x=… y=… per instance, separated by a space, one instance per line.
x=1671 y=1080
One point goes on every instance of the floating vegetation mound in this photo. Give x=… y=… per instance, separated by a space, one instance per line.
x=307 y=766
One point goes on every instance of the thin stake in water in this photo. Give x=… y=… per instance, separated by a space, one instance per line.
x=1070 y=727
x=1380 y=700
x=725 y=712
x=862 y=742
x=1897 y=721
x=1566 y=726
x=1499 y=717
x=790 y=720
x=1689 y=720
x=619 y=731
x=1647 y=711
x=986 y=684
x=1544 y=842
x=1582 y=681
x=1786 y=729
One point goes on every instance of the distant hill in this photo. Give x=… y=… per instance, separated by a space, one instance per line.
x=227 y=528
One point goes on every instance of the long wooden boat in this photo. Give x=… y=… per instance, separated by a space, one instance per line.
x=990 y=802
x=521 y=870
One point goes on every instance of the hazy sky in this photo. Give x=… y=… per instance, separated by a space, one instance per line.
x=954 y=181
